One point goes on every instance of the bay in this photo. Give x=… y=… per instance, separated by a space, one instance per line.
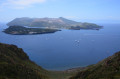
x=67 y=48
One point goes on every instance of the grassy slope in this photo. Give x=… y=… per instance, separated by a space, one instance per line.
x=60 y=75
x=15 y=64
x=109 y=68
x=66 y=74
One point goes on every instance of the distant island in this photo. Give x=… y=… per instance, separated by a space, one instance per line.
x=45 y=25
x=59 y=23
x=20 y=30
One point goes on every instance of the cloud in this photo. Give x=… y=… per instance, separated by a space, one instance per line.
x=20 y=4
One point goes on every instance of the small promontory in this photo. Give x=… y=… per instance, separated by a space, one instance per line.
x=21 y=30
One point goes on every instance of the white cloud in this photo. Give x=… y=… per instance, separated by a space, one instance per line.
x=24 y=2
x=20 y=4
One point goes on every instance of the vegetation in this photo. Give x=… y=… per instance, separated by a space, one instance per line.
x=20 y=30
x=106 y=69
x=66 y=74
x=15 y=64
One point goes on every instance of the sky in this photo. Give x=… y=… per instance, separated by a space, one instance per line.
x=97 y=11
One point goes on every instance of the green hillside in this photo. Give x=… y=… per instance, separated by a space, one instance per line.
x=15 y=64
x=109 y=68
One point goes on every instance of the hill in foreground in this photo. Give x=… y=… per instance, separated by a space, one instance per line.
x=109 y=68
x=15 y=64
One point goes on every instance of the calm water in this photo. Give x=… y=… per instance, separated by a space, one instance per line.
x=67 y=48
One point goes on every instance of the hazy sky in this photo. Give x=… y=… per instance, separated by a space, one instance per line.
x=79 y=10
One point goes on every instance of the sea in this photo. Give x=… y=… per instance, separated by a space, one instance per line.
x=67 y=48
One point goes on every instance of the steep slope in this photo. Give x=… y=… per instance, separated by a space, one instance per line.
x=109 y=68
x=67 y=21
x=15 y=64
x=21 y=21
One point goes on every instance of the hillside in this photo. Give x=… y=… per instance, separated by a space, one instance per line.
x=15 y=64
x=52 y=23
x=109 y=68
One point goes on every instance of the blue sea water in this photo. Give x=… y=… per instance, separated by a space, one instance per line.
x=67 y=48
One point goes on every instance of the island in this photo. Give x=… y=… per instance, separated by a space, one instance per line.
x=86 y=26
x=59 y=23
x=21 y=30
